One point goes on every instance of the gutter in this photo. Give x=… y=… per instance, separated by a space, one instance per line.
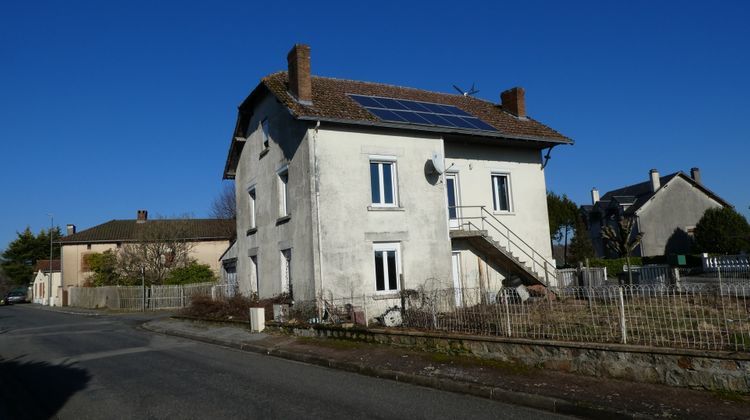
x=478 y=133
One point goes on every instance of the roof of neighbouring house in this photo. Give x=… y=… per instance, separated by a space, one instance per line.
x=44 y=265
x=639 y=194
x=134 y=230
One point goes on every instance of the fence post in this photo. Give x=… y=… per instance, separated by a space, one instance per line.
x=507 y=310
x=182 y=296
x=623 y=328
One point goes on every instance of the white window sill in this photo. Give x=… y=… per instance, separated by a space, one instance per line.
x=386 y=294
x=503 y=213
x=385 y=208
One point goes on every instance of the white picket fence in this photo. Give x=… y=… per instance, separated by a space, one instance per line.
x=137 y=298
x=726 y=263
x=572 y=277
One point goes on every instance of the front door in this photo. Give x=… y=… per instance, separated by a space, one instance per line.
x=451 y=189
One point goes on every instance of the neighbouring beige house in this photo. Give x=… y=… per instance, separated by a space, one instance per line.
x=349 y=188
x=46 y=289
x=210 y=238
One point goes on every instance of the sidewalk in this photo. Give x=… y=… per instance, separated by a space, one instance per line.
x=542 y=389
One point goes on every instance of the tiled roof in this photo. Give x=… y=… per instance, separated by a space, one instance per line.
x=331 y=102
x=132 y=230
x=44 y=265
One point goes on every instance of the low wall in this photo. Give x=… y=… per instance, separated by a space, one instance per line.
x=94 y=297
x=711 y=370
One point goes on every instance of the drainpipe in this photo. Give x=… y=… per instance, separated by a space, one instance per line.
x=316 y=185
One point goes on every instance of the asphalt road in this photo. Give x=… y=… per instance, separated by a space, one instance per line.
x=58 y=365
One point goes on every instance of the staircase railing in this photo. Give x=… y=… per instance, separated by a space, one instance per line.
x=478 y=218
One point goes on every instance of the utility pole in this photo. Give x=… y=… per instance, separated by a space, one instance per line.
x=49 y=273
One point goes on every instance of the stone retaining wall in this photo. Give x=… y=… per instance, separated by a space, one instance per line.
x=711 y=370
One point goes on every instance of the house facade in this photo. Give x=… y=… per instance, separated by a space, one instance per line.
x=666 y=209
x=208 y=238
x=340 y=193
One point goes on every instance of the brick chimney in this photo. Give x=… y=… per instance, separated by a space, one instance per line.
x=695 y=173
x=142 y=216
x=70 y=229
x=594 y=196
x=655 y=180
x=514 y=101
x=300 y=85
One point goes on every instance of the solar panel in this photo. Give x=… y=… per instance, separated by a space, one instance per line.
x=423 y=113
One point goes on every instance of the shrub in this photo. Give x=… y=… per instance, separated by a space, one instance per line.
x=192 y=273
x=236 y=307
x=614 y=265
x=722 y=230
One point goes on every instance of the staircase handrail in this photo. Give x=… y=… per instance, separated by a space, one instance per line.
x=549 y=267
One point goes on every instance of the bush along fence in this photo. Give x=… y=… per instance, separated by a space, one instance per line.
x=138 y=298
x=690 y=317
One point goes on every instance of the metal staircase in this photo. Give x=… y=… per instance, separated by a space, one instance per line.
x=489 y=235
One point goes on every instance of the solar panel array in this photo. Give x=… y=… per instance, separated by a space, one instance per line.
x=425 y=113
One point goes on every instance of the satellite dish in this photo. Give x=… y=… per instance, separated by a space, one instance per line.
x=438 y=164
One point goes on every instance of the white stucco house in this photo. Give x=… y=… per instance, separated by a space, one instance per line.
x=356 y=188
x=46 y=289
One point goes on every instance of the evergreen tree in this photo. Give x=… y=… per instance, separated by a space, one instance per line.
x=22 y=254
x=581 y=246
x=722 y=231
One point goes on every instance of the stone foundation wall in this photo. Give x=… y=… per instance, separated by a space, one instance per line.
x=711 y=370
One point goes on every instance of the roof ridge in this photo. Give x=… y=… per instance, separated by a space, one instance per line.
x=365 y=82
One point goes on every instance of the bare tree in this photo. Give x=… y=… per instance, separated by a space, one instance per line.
x=161 y=246
x=621 y=240
x=224 y=205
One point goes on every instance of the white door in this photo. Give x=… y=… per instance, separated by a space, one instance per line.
x=456 y=261
x=451 y=190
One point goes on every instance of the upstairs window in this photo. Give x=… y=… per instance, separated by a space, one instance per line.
x=251 y=205
x=383 y=183
x=283 y=192
x=501 y=193
x=387 y=266
x=266 y=133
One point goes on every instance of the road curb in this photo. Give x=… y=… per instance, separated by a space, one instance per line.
x=540 y=402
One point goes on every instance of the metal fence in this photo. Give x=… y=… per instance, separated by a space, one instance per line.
x=137 y=298
x=697 y=317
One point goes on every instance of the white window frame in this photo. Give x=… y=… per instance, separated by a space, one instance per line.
x=496 y=193
x=251 y=197
x=254 y=273
x=283 y=191
x=387 y=246
x=265 y=128
x=380 y=161
x=286 y=270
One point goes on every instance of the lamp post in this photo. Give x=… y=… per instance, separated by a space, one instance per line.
x=49 y=273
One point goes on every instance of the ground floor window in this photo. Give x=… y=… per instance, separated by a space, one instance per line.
x=254 y=278
x=387 y=266
x=286 y=271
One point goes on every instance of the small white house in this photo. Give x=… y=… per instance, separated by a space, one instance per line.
x=46 y=289
x=349 y=188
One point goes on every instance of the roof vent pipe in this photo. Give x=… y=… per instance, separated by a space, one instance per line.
x=655 y=181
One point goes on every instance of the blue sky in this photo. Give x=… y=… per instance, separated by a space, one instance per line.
x=108 y=107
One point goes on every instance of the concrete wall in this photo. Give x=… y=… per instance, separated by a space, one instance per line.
x=73 y=273
x=349 y=225
x=94 y=297
x=665 y=220
x=476 y=271
x=712 y=370
x=289 y=146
